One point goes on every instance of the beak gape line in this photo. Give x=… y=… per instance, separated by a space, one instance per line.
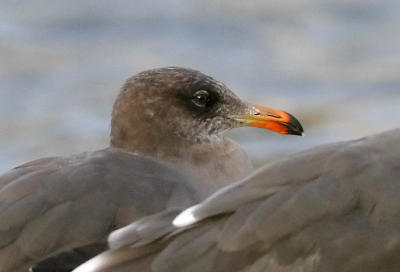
x=271 y=119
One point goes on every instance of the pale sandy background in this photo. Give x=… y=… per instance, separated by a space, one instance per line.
x=333 y=64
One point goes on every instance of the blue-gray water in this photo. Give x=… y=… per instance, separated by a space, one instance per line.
x=333 y=64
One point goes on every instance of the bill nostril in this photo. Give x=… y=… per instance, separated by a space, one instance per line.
x=274 y=115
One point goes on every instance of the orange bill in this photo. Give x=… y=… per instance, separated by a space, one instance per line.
x=272 y=119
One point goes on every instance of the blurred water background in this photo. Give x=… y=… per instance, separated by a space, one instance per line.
x=333 y=64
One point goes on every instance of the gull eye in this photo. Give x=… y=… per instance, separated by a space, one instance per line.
x=201 y=98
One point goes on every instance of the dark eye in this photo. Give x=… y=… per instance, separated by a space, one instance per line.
x=201 y=98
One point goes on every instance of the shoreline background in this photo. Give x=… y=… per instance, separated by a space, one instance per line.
x=333 y=64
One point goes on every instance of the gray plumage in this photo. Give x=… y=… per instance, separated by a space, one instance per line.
x=333 y=208
x=60 y=203
x=166 y=151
